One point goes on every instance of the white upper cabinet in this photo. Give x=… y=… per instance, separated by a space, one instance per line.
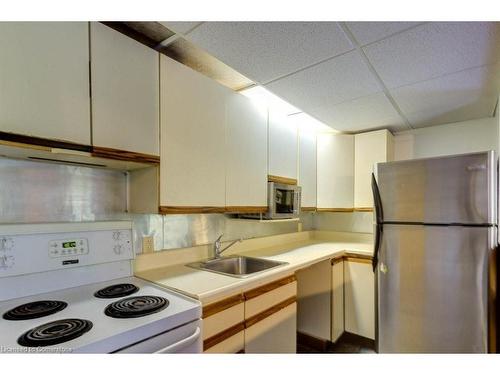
x=246 y=154
x=307 y=168
x=335 y=172
x=44 y=80
x=370 y=148
x=125 y=92
x=193 y=152
x=283 y=146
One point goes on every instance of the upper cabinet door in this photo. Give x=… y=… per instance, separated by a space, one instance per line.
x=335 y=172
x=307 y=168
x=246 y=155
x=192 y=169
x=283 y=145
x=125 y=92
x=370 y=148
x=44 y=80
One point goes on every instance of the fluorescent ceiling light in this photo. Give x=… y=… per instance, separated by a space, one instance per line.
x=266 y=98
x=301 y=120
x=307 y=123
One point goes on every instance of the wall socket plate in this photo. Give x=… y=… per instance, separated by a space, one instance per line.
x=148 y=244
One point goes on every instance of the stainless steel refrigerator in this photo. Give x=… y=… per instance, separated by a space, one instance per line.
x=434 y=261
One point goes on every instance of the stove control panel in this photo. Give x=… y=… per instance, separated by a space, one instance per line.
x=68 y=247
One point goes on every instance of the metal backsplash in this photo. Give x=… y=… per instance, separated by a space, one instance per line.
x=32 y=192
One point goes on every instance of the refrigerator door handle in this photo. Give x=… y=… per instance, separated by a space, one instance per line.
x=379 y=216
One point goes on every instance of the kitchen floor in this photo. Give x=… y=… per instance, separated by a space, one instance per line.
x=345 y=345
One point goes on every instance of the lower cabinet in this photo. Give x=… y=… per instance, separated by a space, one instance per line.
x=260 y=320
x=314 y=300
x=271 y=317
x=274 y=334
x=359 y=290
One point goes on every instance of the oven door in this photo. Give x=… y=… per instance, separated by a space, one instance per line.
x=284 y=201
x=183 y=339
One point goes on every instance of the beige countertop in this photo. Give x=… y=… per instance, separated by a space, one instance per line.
x=209 y=286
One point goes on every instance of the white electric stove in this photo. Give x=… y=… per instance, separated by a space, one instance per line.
x=68 y=288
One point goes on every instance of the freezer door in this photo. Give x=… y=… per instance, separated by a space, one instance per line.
x=432 y=289
x=452 y=189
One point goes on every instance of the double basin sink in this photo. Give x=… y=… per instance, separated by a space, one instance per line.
x=236 y=266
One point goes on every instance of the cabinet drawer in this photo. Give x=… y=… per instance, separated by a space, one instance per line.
x=223 y=320
x=233 y=344
x=256 y=302
x=274 y=334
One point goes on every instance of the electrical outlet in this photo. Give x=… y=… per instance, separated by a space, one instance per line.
x=148 y=244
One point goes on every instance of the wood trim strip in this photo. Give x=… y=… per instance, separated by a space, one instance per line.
x=115 y=154
x=349 y=255
x=363 y=209
x=272 y=310
x=170 y=210
x=246 y=209
x=318 y=344
x=48 y=143
x=216 y=307
x=358 y=260
x=333 y=209
x=352 y=257
x=308 y=209
x=281 y=180
x=253 y=293
x=224 y=335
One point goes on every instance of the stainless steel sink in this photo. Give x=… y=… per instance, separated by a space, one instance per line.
x=236 y=266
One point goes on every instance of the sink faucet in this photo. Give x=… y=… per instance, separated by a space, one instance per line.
x=217 y=246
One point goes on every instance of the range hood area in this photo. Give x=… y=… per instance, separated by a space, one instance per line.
x=14 y=146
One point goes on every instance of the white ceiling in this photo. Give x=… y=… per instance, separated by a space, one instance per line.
x=356 y=76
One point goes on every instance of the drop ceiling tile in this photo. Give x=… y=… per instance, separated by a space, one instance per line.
x=434 y=49
x=334 y=81
x=369 y=112
x=264 y=51
x=369 y=32
x=180 y=27
x=450 y=92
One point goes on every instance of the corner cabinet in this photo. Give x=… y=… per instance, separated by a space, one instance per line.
x=246 y=155
x=359 y=297
x=335 y=172
x=193 y=154
x=283 y=148
x=44 y=75
x=370 y=148
x=307 y=170
x=125 y=93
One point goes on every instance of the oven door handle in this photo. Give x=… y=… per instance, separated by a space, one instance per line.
x=179 y=345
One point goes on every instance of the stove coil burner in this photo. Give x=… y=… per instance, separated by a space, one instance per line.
x=55 y=332
x=134 y=307
x=117 y=290
x=33 y=310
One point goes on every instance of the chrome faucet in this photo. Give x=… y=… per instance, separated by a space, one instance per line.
x=218 y=244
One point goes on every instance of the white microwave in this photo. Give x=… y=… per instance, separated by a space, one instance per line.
x=283 y=201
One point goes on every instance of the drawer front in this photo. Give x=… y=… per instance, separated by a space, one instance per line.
x=223 y=320
x=262 y=302
x=233 y=344
x=274 y=334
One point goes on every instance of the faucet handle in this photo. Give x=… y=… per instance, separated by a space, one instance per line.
x=218 y=238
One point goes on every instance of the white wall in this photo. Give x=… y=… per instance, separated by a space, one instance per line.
x=448 y=139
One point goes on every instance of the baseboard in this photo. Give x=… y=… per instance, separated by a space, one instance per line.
x=315 y=343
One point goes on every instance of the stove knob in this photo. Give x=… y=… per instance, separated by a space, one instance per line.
x=117 y=235
x=117 y=249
